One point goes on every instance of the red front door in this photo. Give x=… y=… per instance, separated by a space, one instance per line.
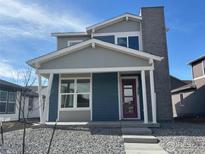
x=129 y=98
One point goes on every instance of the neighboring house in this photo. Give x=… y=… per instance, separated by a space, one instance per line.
x=10 y=99
x=115 y=70
x=188 y=99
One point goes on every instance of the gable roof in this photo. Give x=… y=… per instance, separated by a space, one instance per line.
x=187 y=87
x=197 y=60
x=9 y=84
x=92 y=42
x=125 y=16
x=61 y=34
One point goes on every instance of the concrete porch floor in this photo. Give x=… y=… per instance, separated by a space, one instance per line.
x=140 y=124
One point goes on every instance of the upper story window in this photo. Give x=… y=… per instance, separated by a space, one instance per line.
x=126 y=39
x=74 y=42
x=129 y=41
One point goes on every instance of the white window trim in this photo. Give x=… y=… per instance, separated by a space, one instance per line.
x=71 y=41
x=124 y=34
x=74 y=108
x=12 y=102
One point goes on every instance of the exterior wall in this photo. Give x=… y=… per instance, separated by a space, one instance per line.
x=74 y=116
x=62 y=42
x=197 y=69
x=199 y=82
x=154 y=42
x=53 y=100
x=34 y=113
x=123 y=26
x=105 y=97
x=191 y=105
x=89 y=58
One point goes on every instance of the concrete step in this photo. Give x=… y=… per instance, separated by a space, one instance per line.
x=139 y=139
x=139 y=124
x=141 y=148
x=136 y=131
x=145 y=152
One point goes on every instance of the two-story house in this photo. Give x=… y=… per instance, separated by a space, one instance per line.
x=188 y=100
x=115 y=70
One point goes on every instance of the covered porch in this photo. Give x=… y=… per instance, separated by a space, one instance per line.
x=115 y=101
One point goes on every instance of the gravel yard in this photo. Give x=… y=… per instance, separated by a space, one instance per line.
x=182 y=138
x=70 y=140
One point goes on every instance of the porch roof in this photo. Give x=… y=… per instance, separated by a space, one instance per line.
x=36 y=62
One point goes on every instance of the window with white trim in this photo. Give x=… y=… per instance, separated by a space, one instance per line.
x=7 y=102
x=73 y=42
x=11 y=102
x=3 y=101
x=128 y=41
x=75 y=93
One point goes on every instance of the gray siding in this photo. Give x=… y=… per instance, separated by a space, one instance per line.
x=123 y=26
x=94 y=58
x=62 y=42
x=74 y=116
x=197 y=69
x=154 y=42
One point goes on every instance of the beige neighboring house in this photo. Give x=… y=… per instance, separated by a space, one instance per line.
x=189 y=99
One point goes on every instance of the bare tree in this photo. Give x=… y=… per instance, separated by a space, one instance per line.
x=26 y=78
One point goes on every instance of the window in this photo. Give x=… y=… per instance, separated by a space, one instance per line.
x=109 y=38
x=7 y=102
x=30 y=104
x=75 y=93
x=11 y=102
x=74 y=42
x=133 y=42
x=3 y=101
x=122 y=41
x=129 y=41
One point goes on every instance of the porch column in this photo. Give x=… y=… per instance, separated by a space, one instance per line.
x=40 y=98
x=144 y=96
x=153 y=97
x=46 y=107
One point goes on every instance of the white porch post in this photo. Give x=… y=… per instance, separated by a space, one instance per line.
x=40 y=98
x=46 y=108
x=144 y=96
x=153 y=97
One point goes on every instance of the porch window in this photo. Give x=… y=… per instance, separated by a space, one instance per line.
x=75 y=93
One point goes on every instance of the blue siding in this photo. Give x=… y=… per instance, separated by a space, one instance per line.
x=109 y=39
x=105 y=97
x=53 y=100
